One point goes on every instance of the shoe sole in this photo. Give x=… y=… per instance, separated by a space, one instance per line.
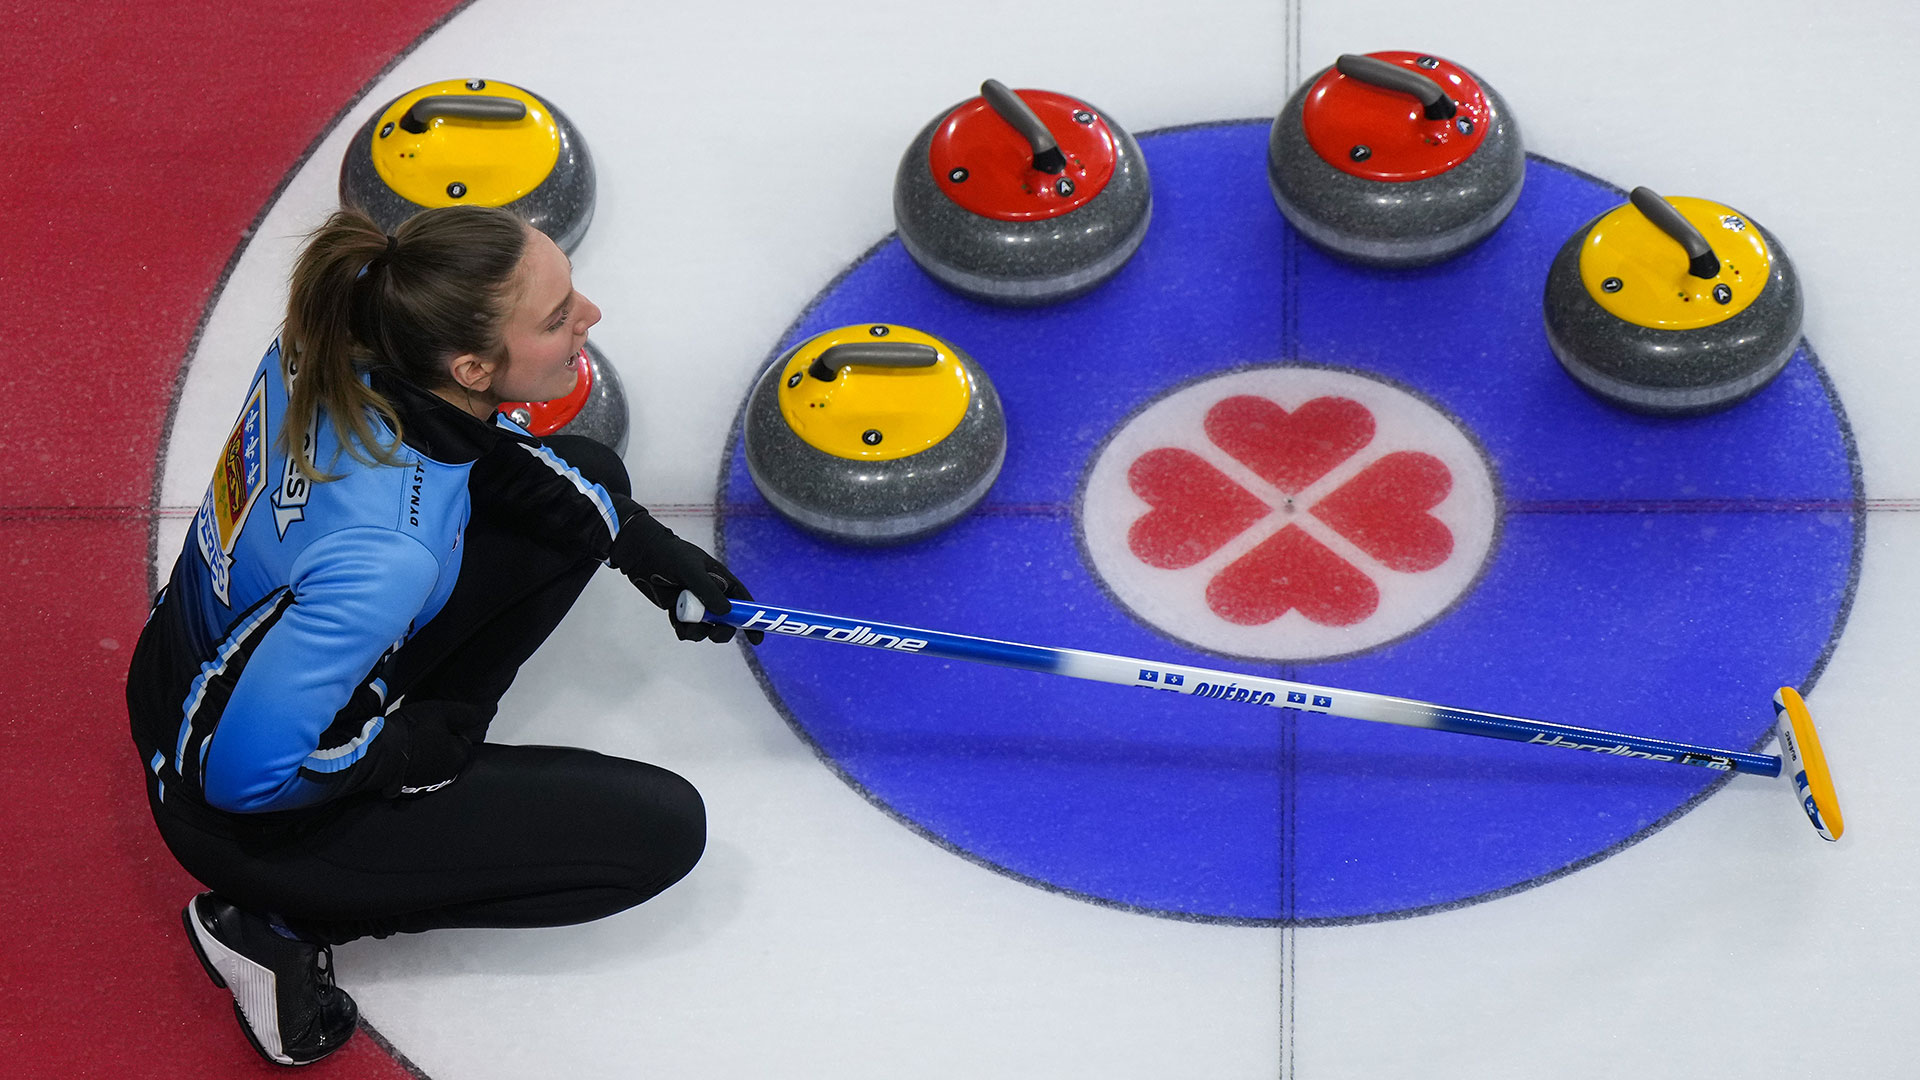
x=254 y=987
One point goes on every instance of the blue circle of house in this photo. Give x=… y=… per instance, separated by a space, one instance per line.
x=1654 y=576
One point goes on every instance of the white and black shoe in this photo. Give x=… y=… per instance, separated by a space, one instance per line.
x=283 y=989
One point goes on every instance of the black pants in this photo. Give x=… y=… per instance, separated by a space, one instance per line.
x=528 y=835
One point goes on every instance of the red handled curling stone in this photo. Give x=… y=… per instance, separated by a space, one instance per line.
x=473 y=142
x=596 y=408
x=1022 y=197
x=1395 y=159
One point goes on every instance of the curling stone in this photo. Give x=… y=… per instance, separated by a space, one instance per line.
x=1672 y=306
x=1395 y=159
x=874 y=434
x=1022 y=197
x=472 y=141
x=596 y=407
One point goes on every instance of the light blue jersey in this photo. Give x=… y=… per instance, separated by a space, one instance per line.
x=291 y=594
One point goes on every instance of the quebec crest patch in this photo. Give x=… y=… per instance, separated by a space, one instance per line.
x=239 y=477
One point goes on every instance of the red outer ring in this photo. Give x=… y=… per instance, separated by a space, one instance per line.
x=547 y=417
x=1341 y=113
x=1000 y=180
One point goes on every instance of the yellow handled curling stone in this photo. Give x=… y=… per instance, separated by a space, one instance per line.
x=1673 y=307
x=874 y=434
x=475 y=142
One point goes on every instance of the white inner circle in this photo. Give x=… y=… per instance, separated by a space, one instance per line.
x=1176 y=600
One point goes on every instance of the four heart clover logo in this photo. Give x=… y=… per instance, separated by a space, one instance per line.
x=1289 y=512
x=1196 y=509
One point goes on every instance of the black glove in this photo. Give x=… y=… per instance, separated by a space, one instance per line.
x=661 y=564
x=435 y=755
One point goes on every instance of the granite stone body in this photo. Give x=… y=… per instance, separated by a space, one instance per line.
x=1672 y=372
x=1022 y=263
x=1395 y=223
x=874 y=502
x=561 y=207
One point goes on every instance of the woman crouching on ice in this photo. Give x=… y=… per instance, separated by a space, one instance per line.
x=378 y=553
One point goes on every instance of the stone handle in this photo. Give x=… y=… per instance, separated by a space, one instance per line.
x=1046 y=151
x=463 y=106
x=1374 y=72
x=1701 y=261
x=894 y=354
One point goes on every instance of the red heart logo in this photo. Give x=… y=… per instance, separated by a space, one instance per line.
x=1196 y=508
x=1383 y=511
x=1291 y=569
x=1289 y=450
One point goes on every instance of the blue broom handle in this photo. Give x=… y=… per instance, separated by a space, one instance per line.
x=1219 y=686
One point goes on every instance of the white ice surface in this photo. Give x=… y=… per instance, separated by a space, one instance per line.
x=746 y=154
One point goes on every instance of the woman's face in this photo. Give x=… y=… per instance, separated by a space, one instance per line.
x=545 y=328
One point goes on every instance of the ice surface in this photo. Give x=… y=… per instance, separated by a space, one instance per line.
x=745 y=154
